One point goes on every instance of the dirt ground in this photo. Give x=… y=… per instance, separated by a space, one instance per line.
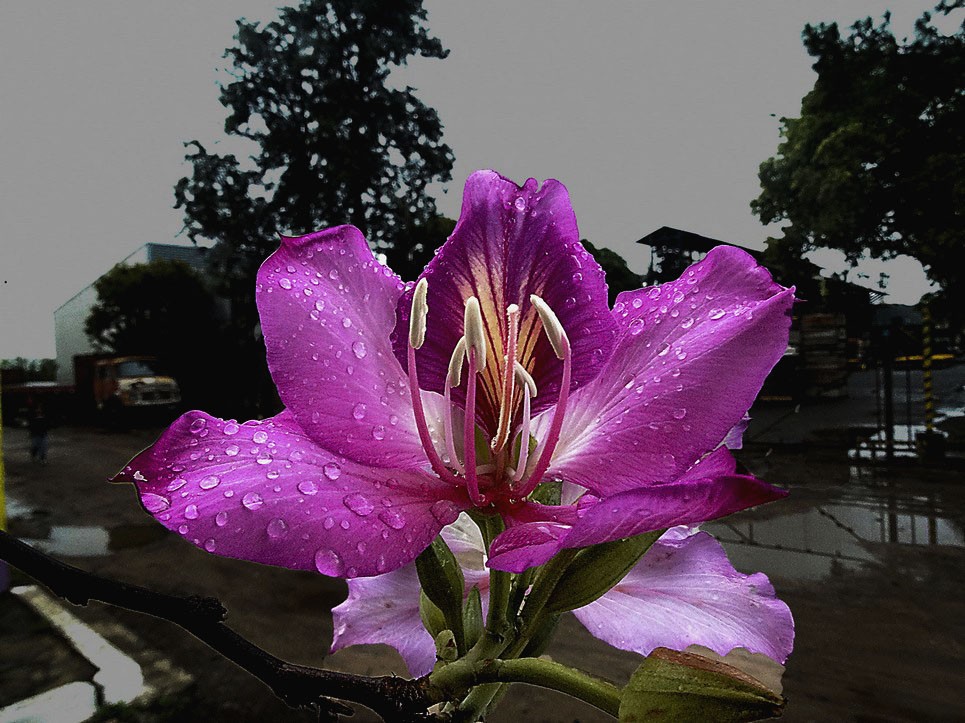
x=871 y=562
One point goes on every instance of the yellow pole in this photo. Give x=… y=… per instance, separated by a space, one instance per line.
x=926 y=359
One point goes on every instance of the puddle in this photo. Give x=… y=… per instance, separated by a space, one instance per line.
x=91 y=541
x=843 y=535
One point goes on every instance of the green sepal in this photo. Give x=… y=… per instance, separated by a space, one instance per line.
x=595 y=570
x=442 y=581
x=472 y=617
x=432 y=618
x=672 y=686
x=446 y=649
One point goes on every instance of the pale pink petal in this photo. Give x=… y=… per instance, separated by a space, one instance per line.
x=685 y=592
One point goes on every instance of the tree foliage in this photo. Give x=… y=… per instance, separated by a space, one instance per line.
x=875 y=164
x=163 y=309
x=619 y=277
x=333 y=141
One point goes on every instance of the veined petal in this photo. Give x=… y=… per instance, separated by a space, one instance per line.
x=685 y=592
x=691 y=358
x=385 y=609
x=710 y=489
x=327 y=309
x=263 y=491
x=512 y=242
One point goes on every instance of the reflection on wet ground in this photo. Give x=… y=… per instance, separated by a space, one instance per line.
x=847 y=532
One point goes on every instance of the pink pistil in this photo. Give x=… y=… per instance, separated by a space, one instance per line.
x=469 y=431
x=553 y=436
x=420 y=421
x=447 y=423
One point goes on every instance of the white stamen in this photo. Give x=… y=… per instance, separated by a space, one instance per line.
x=456 y=361
x=475 y=332
x=526 y=378
x=551 y=326
x=417 y=318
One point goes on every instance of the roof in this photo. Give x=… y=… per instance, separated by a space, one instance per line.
x=676 y=238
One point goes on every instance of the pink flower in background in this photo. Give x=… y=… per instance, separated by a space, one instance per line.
x=682 y=592
x=501 y=369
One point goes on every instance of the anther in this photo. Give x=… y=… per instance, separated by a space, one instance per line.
x=475 y=332
x=456 y=361
x=551 y=326
x=525 y=377
x=417 y=318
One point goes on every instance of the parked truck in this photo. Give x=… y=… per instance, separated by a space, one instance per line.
x=119 y=387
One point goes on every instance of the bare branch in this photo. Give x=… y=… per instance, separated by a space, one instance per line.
x=394 y=699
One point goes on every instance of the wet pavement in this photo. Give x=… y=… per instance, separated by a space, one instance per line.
x=870 y=558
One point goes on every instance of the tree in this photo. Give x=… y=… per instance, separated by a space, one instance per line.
x=334 y=142
x=619 y=277
x=163 y=309
x=875 y=165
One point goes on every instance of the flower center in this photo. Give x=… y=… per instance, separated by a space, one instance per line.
x=503 y=465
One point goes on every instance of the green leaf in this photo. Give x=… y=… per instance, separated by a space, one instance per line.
x=472 y=617
x=595 y=570
x=442 y=581
x=672 y=686
x=432 y=618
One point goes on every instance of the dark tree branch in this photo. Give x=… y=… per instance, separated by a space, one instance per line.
x=394 y=699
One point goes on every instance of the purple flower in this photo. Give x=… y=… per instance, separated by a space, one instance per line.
x=500 y=369
x=683 y=592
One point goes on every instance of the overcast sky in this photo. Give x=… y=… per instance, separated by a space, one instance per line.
x=651 y=113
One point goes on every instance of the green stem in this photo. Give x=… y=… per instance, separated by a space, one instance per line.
x=461 y=675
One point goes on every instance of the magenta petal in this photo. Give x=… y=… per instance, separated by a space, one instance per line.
x=327 y=310
x=688 y=501
x=511 y=242
x=385 y=609
x=685 y=592
x=528 y=545
x=691 y=359
x=263 y=491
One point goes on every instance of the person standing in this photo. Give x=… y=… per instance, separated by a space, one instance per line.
x=39 y=426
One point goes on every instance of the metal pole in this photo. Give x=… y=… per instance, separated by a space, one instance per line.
x=926 y=378
x=4 y=570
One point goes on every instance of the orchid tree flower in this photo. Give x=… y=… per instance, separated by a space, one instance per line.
x=682 y=592
x=500 y=384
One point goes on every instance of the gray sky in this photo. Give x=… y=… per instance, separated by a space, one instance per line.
x=651 y=113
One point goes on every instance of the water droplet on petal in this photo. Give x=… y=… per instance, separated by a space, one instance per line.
x=209 y=482
x=155 y=503
x=520 y=204
x=444 y=511
x=259 y=437
x=307 y=487
x=197 y=425
x=393 y=519
x=209 y=545
x=328 y=562
x=358 y=349
x=359 y=504
x=378 y=432
x=716 y=313
x=232 y=450
x=231 y=428
x=332 y=470
x=221 y=519
x=358 y=411
x=328 y=523
x=252 y=501
x=191 y=512
x=277 y=528
x=285 y=283
x=679 y=413
x=687 y=323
